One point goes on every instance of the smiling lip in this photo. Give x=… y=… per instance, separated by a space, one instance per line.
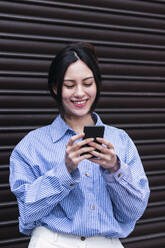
x=79 y=103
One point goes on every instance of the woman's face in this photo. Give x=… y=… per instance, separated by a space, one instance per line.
x=78 y=90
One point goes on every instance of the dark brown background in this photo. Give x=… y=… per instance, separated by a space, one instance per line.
x=130 y=41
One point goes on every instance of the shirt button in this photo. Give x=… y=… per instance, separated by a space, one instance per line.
x=72 y=184
x=87 y=174
x=93 y=207
x=119 y=175
x=82 y=238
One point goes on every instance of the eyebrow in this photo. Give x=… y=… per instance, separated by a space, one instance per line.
x=84 y=79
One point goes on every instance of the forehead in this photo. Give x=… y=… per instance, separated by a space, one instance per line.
x=78 y=69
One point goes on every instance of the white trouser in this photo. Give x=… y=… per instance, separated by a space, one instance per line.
x=45 y=238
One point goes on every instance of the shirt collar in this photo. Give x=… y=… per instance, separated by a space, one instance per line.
x=97 y=119
x=59 y=127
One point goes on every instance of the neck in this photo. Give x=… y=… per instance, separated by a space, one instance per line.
x=78 y=123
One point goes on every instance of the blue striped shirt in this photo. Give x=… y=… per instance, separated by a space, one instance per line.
x=87 y=202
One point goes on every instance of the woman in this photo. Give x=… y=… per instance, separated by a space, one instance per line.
x=66 y=196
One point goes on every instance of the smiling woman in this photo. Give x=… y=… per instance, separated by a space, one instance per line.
x=64 y=70
x=78 y=92
x=69 y=189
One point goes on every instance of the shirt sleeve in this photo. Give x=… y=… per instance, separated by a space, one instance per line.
x=128 y=187
x=38 y=194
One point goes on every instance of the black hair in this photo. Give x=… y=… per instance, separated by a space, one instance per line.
x=63 y=59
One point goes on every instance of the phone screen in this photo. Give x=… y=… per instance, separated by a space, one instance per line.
x=93 y=132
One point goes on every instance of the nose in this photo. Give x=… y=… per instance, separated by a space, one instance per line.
x=79 y=91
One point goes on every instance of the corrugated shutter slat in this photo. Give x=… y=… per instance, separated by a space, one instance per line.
x=129 y=37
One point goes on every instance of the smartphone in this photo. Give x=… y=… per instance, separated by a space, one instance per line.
x=93 y=132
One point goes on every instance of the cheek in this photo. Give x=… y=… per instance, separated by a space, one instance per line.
x=93 y=92
x=65 y=96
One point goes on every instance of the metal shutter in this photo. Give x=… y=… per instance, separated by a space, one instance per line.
x=130 y=41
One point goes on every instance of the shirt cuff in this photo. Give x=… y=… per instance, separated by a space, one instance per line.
x=68 y=180
x=123 y=173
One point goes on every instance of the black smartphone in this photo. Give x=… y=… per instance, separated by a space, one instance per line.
x=93 y=132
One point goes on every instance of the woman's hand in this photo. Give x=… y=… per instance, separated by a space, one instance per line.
x=106 y=156
x=75 y=151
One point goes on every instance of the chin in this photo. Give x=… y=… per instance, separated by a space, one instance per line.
x=77 y=112
x=80 y=113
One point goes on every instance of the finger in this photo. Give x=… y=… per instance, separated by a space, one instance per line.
x=85 y=141
x=105 y=142
x=98 y=155
x=101 y=148
x=74 y=138
x=99 y=158
x=111 y=156
x=113 y=153
x=85 y=156
x=94 y=160
x=84 y=150
x=77 y=146
x=101 y=162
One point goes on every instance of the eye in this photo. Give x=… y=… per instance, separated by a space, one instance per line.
x=88 y=84
x=69 y=86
